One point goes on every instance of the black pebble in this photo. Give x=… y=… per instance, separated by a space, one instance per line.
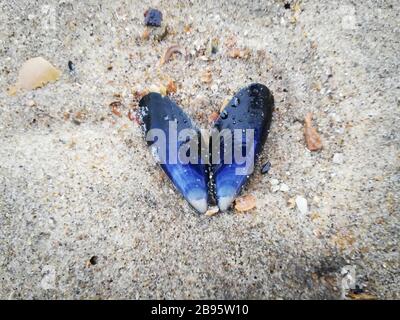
x=153 y=17
x=71 y=66
x=93 y=260
x=265 y=168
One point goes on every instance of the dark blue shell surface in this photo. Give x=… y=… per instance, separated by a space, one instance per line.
x=250 y=108
x=157 y=112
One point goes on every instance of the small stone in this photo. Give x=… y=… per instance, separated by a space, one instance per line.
x=93 y=260
x=213 y=46
x=153 y=17
x=284 y=187
x=206 y=77
x=31 y=103
x=237 y=53
x=291 y=203
x=338 y=158
x=274 y=188
x=212 y=211
x=245 y=203
x=274 y=182
x=171 y=87
x=301 y=204
x=265 y=168
x=71 y=66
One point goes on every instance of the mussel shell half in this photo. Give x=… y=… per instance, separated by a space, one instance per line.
x=158 y=112
x=250 y=108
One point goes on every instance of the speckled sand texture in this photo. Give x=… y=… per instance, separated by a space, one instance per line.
x=86 y=213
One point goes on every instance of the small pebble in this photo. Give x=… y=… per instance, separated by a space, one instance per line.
x=284 y=187
x=338 y=158
x=31 y=103
x=274 y=188
x=301 y=204
x=245 y=203
x=212 y=211
x=265 y=168
x=93 y=260
x=291 y=203
x=153 y=17
x=71 y=66
x=274 y=182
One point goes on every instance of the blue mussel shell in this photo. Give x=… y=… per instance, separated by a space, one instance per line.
x=249 y=110
x=160 y=113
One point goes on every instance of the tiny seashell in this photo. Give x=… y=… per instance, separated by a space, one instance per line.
x=245 y=203
x=35 y=73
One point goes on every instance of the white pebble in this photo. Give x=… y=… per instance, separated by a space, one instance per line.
x=338 y=158
x=274 y=188
x=274 y=182
x=301 y=204
x=284 y=187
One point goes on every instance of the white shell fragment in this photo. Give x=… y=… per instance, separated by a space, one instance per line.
x=338 y=158
x=35 y=73
x=301 y=204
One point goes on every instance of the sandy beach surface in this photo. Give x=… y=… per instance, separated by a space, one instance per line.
x=85 y=212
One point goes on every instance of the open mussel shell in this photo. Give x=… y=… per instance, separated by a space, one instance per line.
x=169 y=132
x=233 y=157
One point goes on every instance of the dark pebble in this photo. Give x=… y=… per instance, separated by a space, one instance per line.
x=153 y=17
x=71 y=66
x=265 y=168
x=93 y=260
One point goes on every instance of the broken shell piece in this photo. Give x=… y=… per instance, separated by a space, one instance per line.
x=311 y=135
x=171 y=87
x=170 y=51
x=212 y=211
x=206 y=77
x=146 y=34
x=35 y=73
x=302 y=205
x=237 y=53
x=115 y=108
x=31 y=103
x=245 y=203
